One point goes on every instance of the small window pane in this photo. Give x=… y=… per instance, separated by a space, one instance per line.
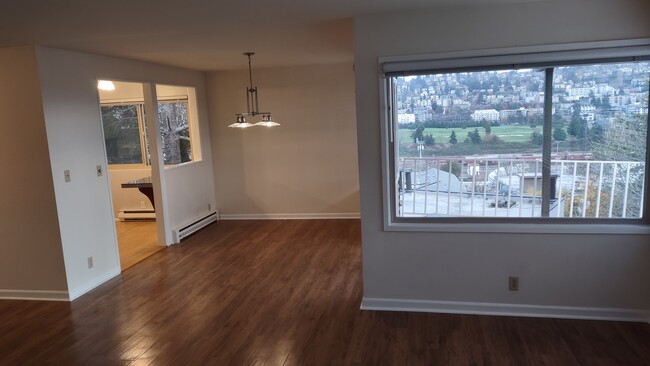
x=600 y=124
x=175 y=131
x=122 y=134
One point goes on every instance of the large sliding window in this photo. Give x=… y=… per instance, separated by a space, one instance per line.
x=535 y=136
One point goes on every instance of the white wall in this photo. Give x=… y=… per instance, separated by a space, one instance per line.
x=127 y=198
x=31 y=258
x=594 y=271
x=307 y=167
x=74 y=133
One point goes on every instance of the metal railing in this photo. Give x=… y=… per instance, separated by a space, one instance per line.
x=513 y=187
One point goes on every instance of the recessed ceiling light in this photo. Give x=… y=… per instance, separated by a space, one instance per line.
x=105 y=85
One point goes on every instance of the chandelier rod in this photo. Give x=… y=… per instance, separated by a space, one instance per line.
x=250 y=69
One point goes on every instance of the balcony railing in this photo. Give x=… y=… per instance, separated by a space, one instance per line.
x=513 y=187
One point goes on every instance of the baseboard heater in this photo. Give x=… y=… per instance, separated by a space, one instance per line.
x=136 y=215
x=185 y=231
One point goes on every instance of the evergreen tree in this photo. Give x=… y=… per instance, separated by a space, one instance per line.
x=559 y=134
x=577 y=126
x=487 y=127
x=474 y=136
x=452 y=138
x=418 y=134
x=596 y=133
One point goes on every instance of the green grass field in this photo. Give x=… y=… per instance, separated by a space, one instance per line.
x=505 y=133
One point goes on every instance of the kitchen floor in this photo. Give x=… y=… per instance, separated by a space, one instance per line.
x=137 y=241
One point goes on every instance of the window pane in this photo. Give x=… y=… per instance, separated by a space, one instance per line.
x=175 y=131
x=122 y=134
x=470 y=144
x=600 y=126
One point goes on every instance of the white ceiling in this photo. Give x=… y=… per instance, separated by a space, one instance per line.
x=201 y=34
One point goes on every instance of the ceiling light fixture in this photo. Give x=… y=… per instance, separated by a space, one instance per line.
x=252 y=104
x=105 y=85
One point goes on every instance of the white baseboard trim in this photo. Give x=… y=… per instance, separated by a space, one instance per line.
x=34 y=295
x=93 y=283
x=477 y=308
x=298 y=216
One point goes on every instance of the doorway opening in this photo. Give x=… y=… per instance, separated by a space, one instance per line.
x=129 y=170
x=133 y=144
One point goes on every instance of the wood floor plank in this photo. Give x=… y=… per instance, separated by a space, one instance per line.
x=136 y=242
x=283 y=293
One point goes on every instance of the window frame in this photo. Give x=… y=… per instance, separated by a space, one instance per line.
x=186 y=100
x=142 y=128
x=537 y=57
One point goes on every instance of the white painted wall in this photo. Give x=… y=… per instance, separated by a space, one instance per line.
x=595 y=271
x=74 y=133
x=31 y=258
x=307 y=167
x=127 y=198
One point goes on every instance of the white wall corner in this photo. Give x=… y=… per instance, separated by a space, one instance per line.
x=93 y=283
x=498 y=309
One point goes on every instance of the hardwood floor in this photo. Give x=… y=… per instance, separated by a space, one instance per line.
x=137 y=241
x=283 y=293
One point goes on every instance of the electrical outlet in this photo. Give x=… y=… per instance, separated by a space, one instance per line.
x=90 y=263
x=513 y=283
x=66 y=176
x=100 y=171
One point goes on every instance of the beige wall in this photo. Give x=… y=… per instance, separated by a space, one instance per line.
x=307 y=166
x=31 y=257
x=467 y=272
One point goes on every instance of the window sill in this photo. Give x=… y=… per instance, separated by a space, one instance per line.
x=121 y=167
x=521 y=228
x=172 y=167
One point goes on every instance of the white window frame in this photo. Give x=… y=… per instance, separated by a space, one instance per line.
x=141 y=130
x=190 y=126
x=519 y=57
x=139 y=103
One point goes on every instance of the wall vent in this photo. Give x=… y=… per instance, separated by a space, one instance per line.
x=185 y=231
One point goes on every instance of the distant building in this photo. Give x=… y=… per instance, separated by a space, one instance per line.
x=490 y=115
x=406 y=118
x=538 y=111
x=509 y=113
x=579 y=92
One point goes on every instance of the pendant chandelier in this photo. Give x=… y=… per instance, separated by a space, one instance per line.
x=252 y=105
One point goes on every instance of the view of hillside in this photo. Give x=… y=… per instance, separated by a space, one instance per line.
x=595 y=107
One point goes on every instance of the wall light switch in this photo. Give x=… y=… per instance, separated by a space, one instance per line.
x=100 y=171
x=66 y=176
